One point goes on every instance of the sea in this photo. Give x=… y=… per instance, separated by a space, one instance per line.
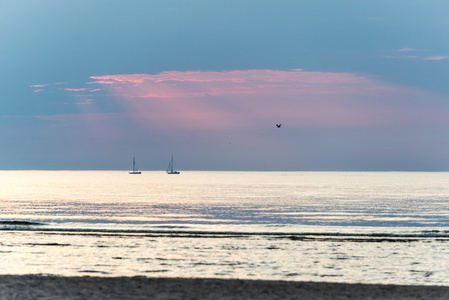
x=352 y=227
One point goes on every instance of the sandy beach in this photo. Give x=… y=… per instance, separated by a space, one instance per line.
x=55 y=287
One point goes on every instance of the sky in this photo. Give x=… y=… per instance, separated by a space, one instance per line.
x=357 y=85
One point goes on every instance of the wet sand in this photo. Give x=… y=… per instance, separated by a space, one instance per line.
x=54 y=287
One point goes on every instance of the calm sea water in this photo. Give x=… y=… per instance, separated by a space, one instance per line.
x=374 y=227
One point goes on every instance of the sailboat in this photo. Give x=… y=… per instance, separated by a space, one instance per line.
x=134 y=167
x=170 y=167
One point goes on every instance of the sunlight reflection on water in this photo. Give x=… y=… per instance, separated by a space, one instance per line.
x=322 y=226
x=325 y=198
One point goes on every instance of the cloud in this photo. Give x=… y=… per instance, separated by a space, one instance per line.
x=81 y=90
x=76 y=90
x=436 y=57
x=441 y=57
x=227 y=100
x=406 y=49
x=86 y=101
x=231 y=101
x=239 y=82
x=236 y=76
x=39 y=87
x=401 y=56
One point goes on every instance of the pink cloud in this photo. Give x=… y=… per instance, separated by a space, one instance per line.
x=86 y=101
x=236 y=76
x=76 y=90
x=245 y=98
x=101 y=81
x=39 y=85
x=202 y=84
x=37 y=91
x=405 y=49
x=441 y=57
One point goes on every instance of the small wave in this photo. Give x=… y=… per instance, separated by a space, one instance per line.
x=48 y=244
x=436 y=231
x=20 y=223
x=93 y=271
x=156 y=271
x=172 y=226
x=367 y=239
x=294 y=236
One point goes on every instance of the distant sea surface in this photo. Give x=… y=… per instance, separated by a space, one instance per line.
x=355 y=227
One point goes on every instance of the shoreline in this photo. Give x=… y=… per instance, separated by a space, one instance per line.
x=90 y=287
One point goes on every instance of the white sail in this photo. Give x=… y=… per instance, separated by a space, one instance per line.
x=170 y=167
x=134 y=167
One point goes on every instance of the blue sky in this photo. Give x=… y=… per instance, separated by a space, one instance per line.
x=357 y=85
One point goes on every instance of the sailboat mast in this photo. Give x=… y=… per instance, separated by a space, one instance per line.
x=170 y=167
x=134 y=167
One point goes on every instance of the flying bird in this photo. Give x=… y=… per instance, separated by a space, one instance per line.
x=278 y=125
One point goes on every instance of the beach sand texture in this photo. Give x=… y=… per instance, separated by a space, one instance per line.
x=55 y=287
